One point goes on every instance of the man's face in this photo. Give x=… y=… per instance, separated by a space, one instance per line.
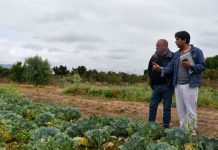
x=160 y=47
x=180 y=43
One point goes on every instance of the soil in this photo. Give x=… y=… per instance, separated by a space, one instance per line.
x=207 y=118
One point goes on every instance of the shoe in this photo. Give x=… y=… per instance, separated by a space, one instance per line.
x=194 y=133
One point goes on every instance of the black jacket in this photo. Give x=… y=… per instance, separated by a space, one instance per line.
x=155 y=76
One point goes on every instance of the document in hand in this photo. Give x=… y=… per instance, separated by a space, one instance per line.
x=187 y=56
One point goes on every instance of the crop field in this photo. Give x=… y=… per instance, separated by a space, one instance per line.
x=34 y=121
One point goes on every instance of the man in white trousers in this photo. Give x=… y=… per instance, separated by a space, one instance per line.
x=186 y=66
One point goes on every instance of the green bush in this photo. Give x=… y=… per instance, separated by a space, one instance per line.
x=37 y=71
x=211 y=74
x=108 y=93
x=208 y=97
x=16 y=72
x=4 y=72
x=95 y=92
x=212 y=62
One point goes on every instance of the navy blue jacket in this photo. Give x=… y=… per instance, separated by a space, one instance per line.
x=194 y=72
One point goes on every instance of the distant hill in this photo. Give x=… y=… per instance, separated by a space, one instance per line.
x=8 y=66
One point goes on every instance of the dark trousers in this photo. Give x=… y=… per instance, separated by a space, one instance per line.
x=160 y=92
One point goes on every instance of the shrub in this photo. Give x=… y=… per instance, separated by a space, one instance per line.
x=37 y=71
x=16 y=72
x=211 y=74
x=108 y=93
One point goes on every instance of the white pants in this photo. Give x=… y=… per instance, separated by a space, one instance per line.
x=186 y=105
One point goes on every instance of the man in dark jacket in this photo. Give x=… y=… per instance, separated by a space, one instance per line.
x=161 y=86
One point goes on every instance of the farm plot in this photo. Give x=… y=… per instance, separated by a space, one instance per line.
x=28 y=125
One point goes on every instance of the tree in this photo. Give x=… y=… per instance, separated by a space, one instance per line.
x=37 y=71
x=212 y=62
x=4 y=72
x=62 y=70
x=114 y=78
x=91 y=75
x=211 y=71
x=82 y=70
x=16 y=72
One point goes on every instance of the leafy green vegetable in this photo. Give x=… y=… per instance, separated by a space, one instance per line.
x=97 y=137
x=92 y=122
x=74 y=131
x=160 y=146
x=71 y=113
x=135 y=142
x=43 y=118
x=177 y=137
x=119 y=127
x=24 y=102
x=208 y=143
x=44 y=133
x=150 y=131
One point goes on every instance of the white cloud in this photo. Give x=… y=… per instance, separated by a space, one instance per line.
x=117 y=35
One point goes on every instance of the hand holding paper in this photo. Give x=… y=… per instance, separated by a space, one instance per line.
x=187 y=64
x=187 y=60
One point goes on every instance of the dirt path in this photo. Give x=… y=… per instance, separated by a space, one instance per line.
x=207 y=118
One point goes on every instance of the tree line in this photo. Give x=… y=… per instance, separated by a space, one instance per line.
x=93 y=75
x=35 y=70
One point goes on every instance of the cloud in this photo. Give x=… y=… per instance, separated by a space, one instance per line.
x=71 y=39
x=103 y=34
x=32 y=46
x=59 y=16
x=119 y=54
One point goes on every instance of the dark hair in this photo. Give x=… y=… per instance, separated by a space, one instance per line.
x=183 y=35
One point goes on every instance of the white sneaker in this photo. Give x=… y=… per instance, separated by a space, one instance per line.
x=194 y=133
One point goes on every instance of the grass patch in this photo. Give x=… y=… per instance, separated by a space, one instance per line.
x=138 y=92
x=208 y=96
x=8 y=91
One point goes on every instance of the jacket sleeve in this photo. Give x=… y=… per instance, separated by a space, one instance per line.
x=200 y=65
x=169 y=68
x=150 y=66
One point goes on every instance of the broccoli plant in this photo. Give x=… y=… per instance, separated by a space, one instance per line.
x=161 y=145
x=135 y=142
x=44 y=133
x=43 y=118
x=177 y=137
x=97 y=137
x=119 y=127
x=71 y=113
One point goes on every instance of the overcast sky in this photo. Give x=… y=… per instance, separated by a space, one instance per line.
x=107 y=35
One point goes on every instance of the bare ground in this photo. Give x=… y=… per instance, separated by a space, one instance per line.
x=207 y=118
